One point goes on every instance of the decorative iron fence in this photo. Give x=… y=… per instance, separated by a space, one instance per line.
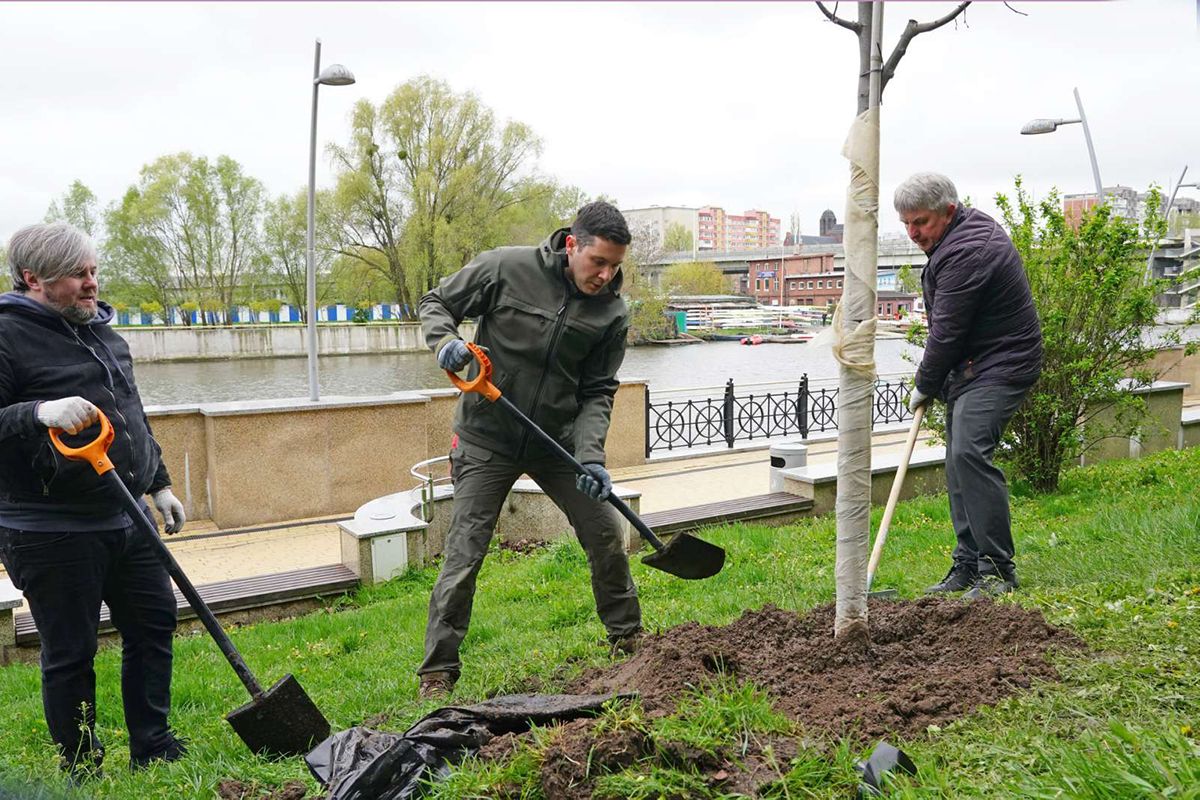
x=731 y=418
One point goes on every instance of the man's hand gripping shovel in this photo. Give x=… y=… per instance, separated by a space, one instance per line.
x=684 y=556
x=279 y=721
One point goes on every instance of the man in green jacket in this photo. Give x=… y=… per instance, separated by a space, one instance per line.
x=554 y=324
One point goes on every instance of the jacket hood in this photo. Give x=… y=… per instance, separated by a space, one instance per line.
x=20 y=303
x=554 y=254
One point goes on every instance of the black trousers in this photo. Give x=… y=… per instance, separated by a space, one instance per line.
x=64 y=576
x=975 y=421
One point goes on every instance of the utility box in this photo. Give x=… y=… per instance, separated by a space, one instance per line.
x=786 y=455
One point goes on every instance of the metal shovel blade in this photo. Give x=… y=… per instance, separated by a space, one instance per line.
x=687 y=557
x=282 y=721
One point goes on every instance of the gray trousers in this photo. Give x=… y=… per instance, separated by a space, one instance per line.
x=975 y=421
x=482 y=479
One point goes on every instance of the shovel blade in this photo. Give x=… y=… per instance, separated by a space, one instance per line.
x=687 y=557
x=283 y=721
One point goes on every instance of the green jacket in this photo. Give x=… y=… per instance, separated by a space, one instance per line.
x=555 y=351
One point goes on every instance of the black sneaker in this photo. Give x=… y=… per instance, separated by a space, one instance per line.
x=174 y=751
x=960 y=578
x=991 y=586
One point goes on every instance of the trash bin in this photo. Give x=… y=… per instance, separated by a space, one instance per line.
x=786 y=455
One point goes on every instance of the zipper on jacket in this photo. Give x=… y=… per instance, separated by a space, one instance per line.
x=561 y=318
x=111 y=388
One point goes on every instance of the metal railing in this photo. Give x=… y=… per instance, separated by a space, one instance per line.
x=428 y=485
x=730 y=417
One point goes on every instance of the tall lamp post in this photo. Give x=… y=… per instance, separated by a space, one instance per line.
x=333 y=75
x=1050 y=125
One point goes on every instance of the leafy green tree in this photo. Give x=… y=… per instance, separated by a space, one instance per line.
x=423 y=180
x=190 y=223
x=1097 y=308
x=285 y=247
x=693 y=278
x=5 y=273
x=908 y=280
x=677 y=238
x=78 y=207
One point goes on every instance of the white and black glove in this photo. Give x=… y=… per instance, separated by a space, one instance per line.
x=72 y=414
x=171 y=509
x=917 y=399
x=596 y=484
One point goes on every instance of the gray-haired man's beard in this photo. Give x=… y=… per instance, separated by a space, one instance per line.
x=76 y=315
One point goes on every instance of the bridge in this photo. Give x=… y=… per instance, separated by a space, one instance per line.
x=894 y=252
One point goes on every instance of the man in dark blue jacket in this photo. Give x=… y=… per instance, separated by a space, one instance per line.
x=982 y=356
x=64 y=541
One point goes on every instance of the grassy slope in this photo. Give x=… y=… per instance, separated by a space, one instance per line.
x=1113 y=555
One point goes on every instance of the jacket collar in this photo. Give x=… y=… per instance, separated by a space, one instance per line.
x=20 y=303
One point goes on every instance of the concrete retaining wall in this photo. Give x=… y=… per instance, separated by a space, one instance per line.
x=254 y=463
x=274 y=341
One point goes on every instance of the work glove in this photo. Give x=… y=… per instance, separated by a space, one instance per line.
x=596 y=484
x=171 y=509
x=917 y=399
x=454 y=355
x=72 y=414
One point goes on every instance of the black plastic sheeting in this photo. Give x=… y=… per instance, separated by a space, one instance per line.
x=365 y=764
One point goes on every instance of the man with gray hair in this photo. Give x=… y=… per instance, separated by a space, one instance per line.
x=65 y=542
x=982 y=356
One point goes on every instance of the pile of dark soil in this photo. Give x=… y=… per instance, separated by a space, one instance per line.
x=230 y=789
x=928 y=662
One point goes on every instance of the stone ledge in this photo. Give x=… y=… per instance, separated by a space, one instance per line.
x=818 y=482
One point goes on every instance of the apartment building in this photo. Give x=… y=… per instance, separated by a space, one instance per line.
x=717 y=230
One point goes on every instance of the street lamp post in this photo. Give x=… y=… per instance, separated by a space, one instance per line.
x=1050 y=125
x=334 y=75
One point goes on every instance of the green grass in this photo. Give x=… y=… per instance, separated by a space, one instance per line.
x=1112 y=555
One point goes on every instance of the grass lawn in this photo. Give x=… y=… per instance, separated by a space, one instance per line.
x=1113 y=556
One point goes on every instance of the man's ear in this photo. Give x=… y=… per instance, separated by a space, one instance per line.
x=571 y=243
x=30 y=279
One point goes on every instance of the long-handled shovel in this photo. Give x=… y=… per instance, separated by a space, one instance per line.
x=282 y=720
x=893 y=498
x=684 y=557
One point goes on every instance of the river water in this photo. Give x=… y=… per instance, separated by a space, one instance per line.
x=665 y=367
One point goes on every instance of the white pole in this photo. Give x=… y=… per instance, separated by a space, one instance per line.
x=311 y=270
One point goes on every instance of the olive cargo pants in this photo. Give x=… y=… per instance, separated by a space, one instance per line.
x=482 y=480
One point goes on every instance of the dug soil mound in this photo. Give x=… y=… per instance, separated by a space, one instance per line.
x=928 y=662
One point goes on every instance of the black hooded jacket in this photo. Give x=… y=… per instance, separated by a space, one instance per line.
x=983 y=325
x=44 y=357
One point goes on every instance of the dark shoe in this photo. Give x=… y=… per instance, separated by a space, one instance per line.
x=991 y=586
x=960 y=578
x=84 y=768
x=436 y=685
x=627 y=644
x=174 y=751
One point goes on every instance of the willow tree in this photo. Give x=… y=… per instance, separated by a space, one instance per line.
x=854 y=318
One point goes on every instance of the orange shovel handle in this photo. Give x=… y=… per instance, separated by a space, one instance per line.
x=94 y=452
x=482 y=383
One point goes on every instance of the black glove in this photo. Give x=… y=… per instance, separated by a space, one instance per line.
x=597 y=484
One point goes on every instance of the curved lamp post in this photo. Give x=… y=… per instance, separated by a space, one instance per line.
x=333 y=75
x=1050 y=125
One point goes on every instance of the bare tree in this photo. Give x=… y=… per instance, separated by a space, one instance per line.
x=854 y=325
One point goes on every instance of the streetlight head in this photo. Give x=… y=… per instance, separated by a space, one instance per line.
x=336 y=75
x=1040 y=126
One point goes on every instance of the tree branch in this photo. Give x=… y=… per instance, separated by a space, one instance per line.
x=912 y=30
x=834 y=18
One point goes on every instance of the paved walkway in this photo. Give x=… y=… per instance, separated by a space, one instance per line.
x=208 y=554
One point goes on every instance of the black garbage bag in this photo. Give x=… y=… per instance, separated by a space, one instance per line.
x=365 y=764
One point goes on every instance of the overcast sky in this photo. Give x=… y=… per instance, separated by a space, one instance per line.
x=742 y=105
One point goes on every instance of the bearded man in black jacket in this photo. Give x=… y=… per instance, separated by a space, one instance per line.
x=982 y=356
x=66 y=543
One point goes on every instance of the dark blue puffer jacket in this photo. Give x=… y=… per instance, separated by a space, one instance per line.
x=983 y=326
x=44 y=357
